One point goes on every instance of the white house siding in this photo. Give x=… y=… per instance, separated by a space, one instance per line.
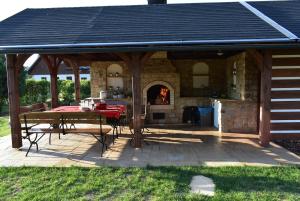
x=61 y=77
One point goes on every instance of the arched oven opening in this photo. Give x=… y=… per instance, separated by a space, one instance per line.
x=158 y=95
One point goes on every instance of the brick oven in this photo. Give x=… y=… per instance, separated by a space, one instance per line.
x=159 y=92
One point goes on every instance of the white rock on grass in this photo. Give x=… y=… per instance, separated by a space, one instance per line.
x=202 y=185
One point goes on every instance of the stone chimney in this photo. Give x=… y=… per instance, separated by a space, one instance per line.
x=157 y=2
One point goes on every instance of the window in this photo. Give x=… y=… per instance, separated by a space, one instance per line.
x=83 y=78
x=200 y=75
x=69 y=78
x=44 y=78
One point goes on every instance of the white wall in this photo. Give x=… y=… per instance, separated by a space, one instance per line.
x=61 y=77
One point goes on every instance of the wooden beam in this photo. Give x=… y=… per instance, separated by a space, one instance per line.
x=258 y=58
x=14 y=100
x=54 y=90
x=136 y=65
x=135 y=62
x=21 y=59
x=53 y=63
x=126 y=57
x=265 y=99
x=146 y=57
x=75 y=67
x=76 y=71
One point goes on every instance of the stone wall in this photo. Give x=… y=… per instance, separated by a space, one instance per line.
x=238 y=116
x=241 y=115
x=236 y=91
x=99 y=77
x=217 y=80
x=247 y=76
x=252 y=77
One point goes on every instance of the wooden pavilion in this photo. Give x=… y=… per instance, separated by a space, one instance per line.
x=132 y=34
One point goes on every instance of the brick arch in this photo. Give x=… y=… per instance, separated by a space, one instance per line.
x=166 y=84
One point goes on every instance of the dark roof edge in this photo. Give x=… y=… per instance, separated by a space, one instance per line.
x=270 y=21
x=136 y=44
x=8 y=18
x=73 y=50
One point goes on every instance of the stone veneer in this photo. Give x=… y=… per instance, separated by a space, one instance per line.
x=239 y=115
x=247 y=78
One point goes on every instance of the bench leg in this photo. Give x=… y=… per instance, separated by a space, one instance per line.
x=28 y=150
x=113 y=136
x=50 y=138
x=102 y=141
x=33 y=142
x=120 y=130
x=103 y=145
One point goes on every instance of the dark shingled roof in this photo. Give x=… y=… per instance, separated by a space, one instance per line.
x=285 y=13
x=40 y=68
x=170 y=24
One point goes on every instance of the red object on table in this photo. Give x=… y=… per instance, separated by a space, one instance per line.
x=121 y=108
x=108 y=113
x=100 y=106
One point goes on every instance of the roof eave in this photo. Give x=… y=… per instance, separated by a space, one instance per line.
x=150 y=46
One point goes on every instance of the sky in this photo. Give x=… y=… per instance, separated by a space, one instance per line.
x=11 y=7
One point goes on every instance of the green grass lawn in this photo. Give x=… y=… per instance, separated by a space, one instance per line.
x=152 y=183
x=4 y=126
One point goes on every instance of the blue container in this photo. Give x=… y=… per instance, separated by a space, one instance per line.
x=205 y=116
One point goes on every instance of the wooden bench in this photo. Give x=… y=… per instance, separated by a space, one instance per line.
x=57 y=122
x=87 y=119
x=31 y=126
x=38 y=107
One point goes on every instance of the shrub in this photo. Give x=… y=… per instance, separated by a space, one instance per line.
x=85 y=89
x=66 y=91
x=39 y=91
x=36 y=91
x=3 y=82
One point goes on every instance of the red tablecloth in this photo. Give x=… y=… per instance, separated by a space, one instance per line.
x=121 y=108
x=108 y=113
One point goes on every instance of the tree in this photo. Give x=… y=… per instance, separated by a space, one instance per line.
x=3 y=82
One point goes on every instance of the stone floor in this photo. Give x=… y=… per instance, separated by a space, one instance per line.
x=163 y=147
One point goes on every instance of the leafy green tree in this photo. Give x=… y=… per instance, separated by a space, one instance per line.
x=85 y=89
x=3 y=82
x=36 y=91
x=66 y=91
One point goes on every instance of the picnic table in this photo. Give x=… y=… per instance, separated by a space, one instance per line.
x=111 y=111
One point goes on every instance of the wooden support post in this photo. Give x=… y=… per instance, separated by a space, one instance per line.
x=77 y=81
x=53 y=87
x=136 y=66
x=74 y=64
x=53 y=63
x=136 y=62
x=14 y=100
x=265 y=99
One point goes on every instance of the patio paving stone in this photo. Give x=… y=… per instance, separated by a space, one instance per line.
x=164 y=147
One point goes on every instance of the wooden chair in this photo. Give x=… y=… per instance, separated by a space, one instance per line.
x=145 y=109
